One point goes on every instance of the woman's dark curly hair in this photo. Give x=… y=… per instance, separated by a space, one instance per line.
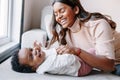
x=16 y=66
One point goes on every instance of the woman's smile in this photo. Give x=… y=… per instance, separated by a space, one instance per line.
x=63 y=21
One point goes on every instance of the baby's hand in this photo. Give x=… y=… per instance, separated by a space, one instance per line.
x=37 y=46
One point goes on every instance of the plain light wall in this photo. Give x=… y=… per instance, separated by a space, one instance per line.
x=27 y=14
x=32 y=13
x=107 y=7
x=33 y=10
x=38 y=5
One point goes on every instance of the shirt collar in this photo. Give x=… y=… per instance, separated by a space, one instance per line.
x=75 y=27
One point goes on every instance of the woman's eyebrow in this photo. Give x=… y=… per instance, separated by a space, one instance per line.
x=61 y=8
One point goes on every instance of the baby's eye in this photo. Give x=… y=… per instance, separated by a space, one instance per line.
x=30 y=49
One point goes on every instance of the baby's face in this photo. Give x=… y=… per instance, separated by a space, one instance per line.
x=31 y=57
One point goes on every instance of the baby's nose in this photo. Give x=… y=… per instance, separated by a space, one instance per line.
x=37 y=53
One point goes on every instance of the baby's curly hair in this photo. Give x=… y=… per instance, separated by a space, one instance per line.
x=16 y=66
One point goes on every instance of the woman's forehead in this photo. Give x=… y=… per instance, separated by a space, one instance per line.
x=59 y=5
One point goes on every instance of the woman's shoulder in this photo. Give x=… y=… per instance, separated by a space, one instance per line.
x=96 y=27
x=93 y=23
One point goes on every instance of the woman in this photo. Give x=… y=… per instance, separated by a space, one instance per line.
x=80 y=31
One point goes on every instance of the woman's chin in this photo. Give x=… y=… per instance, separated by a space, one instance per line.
x=64 y=26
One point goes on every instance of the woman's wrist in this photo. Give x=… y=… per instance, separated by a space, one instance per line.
x=78 y=51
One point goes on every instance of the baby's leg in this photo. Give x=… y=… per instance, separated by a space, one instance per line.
x=85 y=69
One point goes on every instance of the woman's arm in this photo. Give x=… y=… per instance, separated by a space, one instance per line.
x=99 y=62
x=103 y=60
x=103 y=37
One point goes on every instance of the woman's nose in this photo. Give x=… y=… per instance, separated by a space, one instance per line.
x=60 y=16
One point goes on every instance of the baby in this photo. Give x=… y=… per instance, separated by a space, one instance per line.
x=48 y=61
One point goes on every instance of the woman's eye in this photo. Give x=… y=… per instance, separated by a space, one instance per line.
x=62 y=10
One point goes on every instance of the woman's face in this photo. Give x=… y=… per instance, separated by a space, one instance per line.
x=31 y=57
x=64 y=14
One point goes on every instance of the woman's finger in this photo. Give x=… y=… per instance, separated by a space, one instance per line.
x=63 y=49
x=59 y=48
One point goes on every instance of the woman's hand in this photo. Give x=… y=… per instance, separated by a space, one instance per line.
x=67 y=49
x=63 y=49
